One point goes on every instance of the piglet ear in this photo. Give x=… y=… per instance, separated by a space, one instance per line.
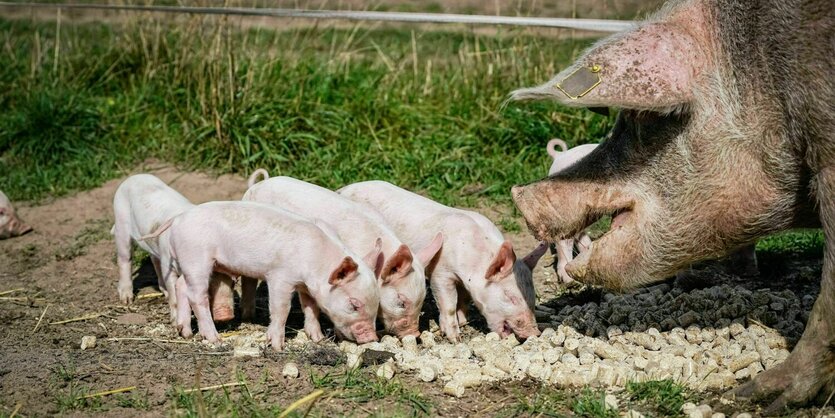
x=427 y=253
x=345 y=272
x=653 y=67
x=533 y=257
x=398 y=265
x=374 y=258
x=502 y=265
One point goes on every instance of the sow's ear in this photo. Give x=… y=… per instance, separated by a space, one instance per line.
x=502 y=265
x=653 y=67
x=346 y=271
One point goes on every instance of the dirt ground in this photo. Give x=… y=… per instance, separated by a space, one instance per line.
x=66 y=270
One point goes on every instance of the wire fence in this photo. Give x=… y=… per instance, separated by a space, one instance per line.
x=594 y=25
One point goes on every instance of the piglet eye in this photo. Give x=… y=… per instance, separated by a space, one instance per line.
x=356 y=305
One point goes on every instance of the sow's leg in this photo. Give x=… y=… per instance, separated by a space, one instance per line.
x=810 y=369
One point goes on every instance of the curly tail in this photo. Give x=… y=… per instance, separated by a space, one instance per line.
x=159 y=230
x=550 y=147
x=253 y=178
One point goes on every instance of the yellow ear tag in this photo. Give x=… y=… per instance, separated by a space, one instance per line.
x=580 y=82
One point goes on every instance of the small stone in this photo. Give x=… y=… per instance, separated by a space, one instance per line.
x=353 y=360
x=347 y=346
x=613 y=331
x=386 y=371
x=743 y=415
x=688 y=318
x=132 y=319
x=569 y=359
x=88 y=341
x=510 y=341
x=571 y=344
x=611 y=401
x=586 y=358
x=428 y=339
x=641 y=363
x=454 y=388
x=390 y=341
x=246 y=352
x=701 y=411
x=743 y=360
x=735 y=329
x=427 y=374
x=410 y=343
x=687 y=407
x=492 y=336
x=633 y=414
x=290 y=370
x=717 y=415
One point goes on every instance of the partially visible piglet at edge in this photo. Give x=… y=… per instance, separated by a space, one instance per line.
x=10 y=225
x=563 y=159
x=475 y=260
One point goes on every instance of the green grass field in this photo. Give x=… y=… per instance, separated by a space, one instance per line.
x=422 y=110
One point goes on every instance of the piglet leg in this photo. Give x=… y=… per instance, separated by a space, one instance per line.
x=281 y=294
x=183 y=315
x=565 y=253
x=311 y=316
x=248 y=288
x=123 y=256
x=197 y=286
x=160 y=279
x=446 y=295
x=463 y=305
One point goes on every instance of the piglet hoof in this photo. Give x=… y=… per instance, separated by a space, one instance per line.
x=451 y=334
x=184 y=329
x=275 y=339
x=211 y=336
x=315 y=335
x=126 y=296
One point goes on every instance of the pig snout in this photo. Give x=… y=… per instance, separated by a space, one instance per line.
x=14 y=228
x=403 y=327
x=363 y=332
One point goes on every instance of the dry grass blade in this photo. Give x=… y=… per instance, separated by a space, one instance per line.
x=16 y=410
x=108 y=392
x=6 y=292
x=312 y=397
x=150 y=295
x=145 y=339
x=213 y=387
x=40 y=319
x=80 y=318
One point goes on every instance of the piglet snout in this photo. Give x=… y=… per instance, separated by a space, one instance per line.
x=364 y=332
x=14 y=228
x=403 y=327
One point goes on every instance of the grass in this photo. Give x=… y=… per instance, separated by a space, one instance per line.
x=545 y=402
x=362 y=386
x=665 y=396
x=591 y=404
x=420 y=109
x=92 y=233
